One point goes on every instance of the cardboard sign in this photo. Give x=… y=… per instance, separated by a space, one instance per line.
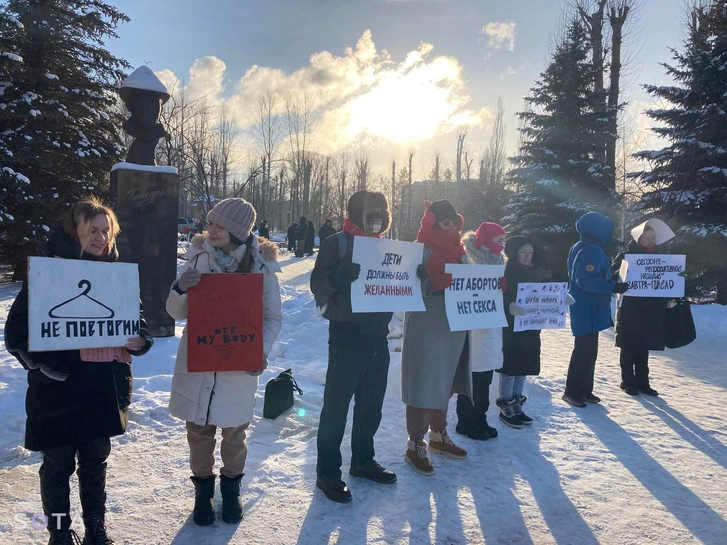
x=73 y=304
x=225 y=323
x=545 y=303
x=388 y=281
x=474 y=300
x=653 y=275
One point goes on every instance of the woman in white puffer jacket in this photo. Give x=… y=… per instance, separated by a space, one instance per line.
x=224 y=399
x=483 y=247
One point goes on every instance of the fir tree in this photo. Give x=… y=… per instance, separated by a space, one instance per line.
x=557 y=176
x=687 y=180
x=58 y=113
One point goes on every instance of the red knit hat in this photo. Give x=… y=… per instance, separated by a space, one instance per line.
x=484 y=235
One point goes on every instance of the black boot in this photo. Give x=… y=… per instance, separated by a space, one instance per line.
x=96 y=532
x=204 y=491
x=64 y=537
x=231 y=503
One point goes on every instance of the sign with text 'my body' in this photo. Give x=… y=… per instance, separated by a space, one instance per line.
x=474 y=300
x=225 y=323
x=388 y=281
x=653 y=275
x=75 y=304
x=545 y=303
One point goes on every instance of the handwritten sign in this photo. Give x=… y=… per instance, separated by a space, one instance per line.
x=653 y=275
x=225 y=323
x=388 y=281
x=474 y=300
x=75 y=304
x=545 y=303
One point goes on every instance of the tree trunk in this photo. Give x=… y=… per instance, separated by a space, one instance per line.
x=617 y=18
x=594 y=25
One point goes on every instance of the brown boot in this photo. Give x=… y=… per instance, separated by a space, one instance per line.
x=416 y=457
x=442 y=442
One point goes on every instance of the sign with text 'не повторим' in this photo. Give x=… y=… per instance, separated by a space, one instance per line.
x=545 y=303
x=388 y=280
x=474 y=300
x=654 y=275
x=225 y=323
x=74 y=304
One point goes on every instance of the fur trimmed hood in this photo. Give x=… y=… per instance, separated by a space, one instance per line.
x=264 y=250
x=480 y=256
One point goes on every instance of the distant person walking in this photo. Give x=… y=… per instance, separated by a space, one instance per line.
x=292 y=234
x=300 y=235
x=263 y=231
x=310 y=239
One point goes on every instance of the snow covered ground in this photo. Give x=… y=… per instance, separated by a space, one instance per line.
x=632 y=470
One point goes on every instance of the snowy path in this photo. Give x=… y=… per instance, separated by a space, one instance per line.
x=629 y=471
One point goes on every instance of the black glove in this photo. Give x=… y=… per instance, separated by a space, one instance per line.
x=422 y=272
x=342 y=276
x=621 y=287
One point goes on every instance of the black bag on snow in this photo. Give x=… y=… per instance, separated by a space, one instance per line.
x=279 y=394
x=680 y=330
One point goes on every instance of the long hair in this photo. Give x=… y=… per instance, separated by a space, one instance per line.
x=82 y=215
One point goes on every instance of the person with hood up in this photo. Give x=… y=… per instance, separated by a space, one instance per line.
x=483 y=247
x=358 y=352
x=521 y=349
x=591 y=286
x=310 y=238
x=326 y=231
x=76 y=399
x=224 y=399
x=435 y=362
x=641 y=321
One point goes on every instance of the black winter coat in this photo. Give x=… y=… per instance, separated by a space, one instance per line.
x=68 y=400
x=360 y=331
x=521 y=350
x=640 y=321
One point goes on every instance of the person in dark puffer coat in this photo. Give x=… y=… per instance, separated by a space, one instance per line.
x=76 y=400
x=521 y=350
x=640 y=323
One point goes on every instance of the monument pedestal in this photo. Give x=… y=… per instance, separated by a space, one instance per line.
x=145 y=199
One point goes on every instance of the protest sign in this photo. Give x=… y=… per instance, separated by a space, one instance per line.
x=225 y=323
x=545 y=303
x=388 y=281
x=474 y=300
x=73 y=304
x=653 y=275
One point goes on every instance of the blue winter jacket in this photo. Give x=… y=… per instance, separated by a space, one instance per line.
x=590 y=275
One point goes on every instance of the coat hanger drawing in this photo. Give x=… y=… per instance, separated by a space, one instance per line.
x=84 y=293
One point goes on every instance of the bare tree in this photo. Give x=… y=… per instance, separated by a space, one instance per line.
x=299 y=118
x=227 y=138
x=362 y=168
x=460 y=151
x=267 y=135
x=495 y=156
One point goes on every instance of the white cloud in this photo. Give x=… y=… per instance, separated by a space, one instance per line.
x=362 y=93
x=501 y=34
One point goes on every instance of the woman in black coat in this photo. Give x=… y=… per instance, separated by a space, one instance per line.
x=310 y=238
x=76 y=399
x=640 y=325
x=520 y=350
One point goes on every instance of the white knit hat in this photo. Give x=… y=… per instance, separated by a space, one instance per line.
x=237 y=216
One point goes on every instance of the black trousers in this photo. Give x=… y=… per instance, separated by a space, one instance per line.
x=474 y=417
x=362 y=376
x=55 y=471
x=635 y=367
x=582 y=366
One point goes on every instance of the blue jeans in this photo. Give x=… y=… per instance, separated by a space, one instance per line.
x=363 y=376
x=511 y=386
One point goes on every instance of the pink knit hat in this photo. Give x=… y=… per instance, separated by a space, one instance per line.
x=484 y=235
x=237 y=216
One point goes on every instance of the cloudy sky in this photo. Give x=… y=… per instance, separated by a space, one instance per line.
x=386 y=75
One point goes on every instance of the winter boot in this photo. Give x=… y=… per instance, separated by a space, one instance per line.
x=96 y=532
x=64 y=537
x=508 y=414
x=204 y=491
x=442 y=442
x=645 y=388
x=416 y=457
x=519 y=402
x=231 y=503
x=629 y=388
x=478 y=434
x=490 y=430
